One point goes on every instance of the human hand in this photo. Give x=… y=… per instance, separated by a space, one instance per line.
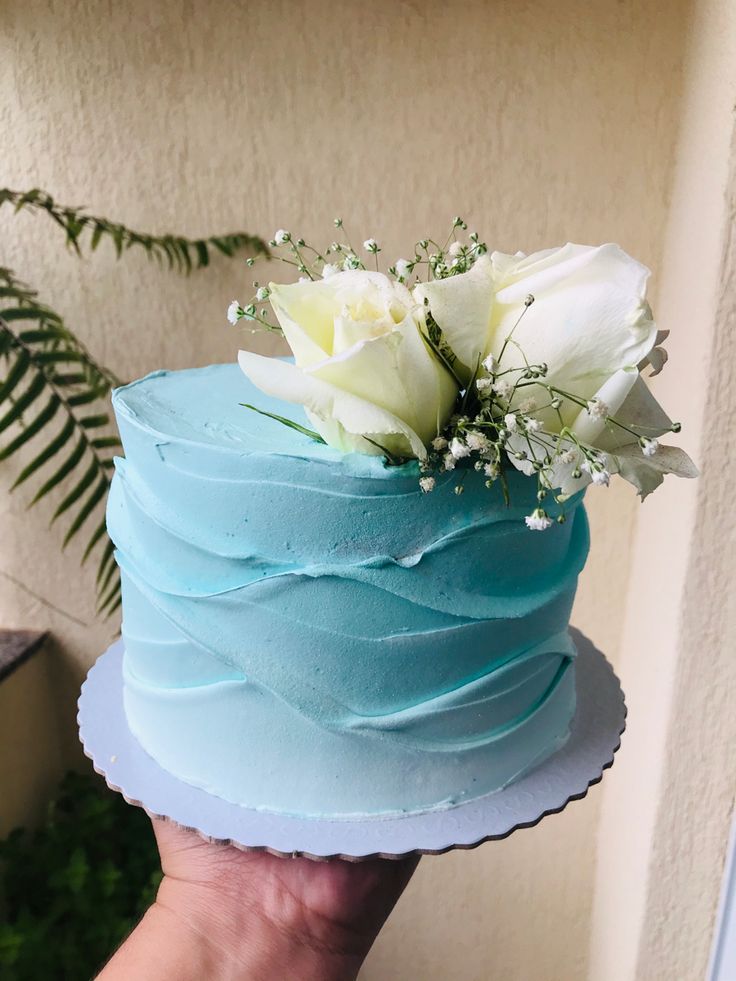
x=251 y=915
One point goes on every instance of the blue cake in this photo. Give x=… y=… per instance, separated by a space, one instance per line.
x=307 y=633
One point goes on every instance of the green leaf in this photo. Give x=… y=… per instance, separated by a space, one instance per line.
x=45 y=415
x=76 y=492
x=97 y=534
x=107 y=560
x=97 y=234
x=67 y=380
x=106 y=442
x=56 y=444
x=111 y=607
x=16 y=373
x=47 y=335
x=94 y=422
x=286 y=422
x=203 y=256
x=111 y=594
x=23 y=313
x=60 y=354
x=64 y=470
x=23 y=402
x=94 y=498
x=83 y=398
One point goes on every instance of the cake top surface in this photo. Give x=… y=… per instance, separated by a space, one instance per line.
x=203 y=406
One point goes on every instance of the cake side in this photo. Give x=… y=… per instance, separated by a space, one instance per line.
x=307 y=632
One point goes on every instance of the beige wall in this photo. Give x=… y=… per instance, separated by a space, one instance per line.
x=540 y=122
x=667 y=807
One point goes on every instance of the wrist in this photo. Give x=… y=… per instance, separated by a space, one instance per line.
x=238 y=936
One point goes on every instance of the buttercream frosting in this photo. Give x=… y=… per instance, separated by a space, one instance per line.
x=307 y=632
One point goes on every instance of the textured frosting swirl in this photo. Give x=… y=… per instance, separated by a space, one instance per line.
x=307 y=632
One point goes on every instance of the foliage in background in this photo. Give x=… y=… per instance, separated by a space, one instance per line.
x=72 y=890
x=53 y=384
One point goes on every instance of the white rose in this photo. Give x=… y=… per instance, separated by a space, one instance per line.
x=362 y=368
x=589 y=324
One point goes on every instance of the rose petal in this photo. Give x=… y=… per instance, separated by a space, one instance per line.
x=461 y=308
x=327 y=404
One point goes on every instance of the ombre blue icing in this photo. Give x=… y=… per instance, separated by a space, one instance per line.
x=307 y=632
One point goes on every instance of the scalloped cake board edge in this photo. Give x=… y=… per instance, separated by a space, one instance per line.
x=596 y=730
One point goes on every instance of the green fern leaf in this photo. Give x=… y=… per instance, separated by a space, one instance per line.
x=84 y=398
x=111 y=600
x=23 y=402
x=110 y=567
x=203 y=256
x=106 y=442
x=76 y=492
x=107 y=562
x=23 y=313
x=94 y=422
x=96 y=235
x=16 y=373
x=97 y=534
x=44 y=416
x=56 y=444
x=64 y=470
x=86 y=510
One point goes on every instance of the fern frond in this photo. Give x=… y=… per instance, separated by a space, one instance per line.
x=48 y=366
x=82 y=229
x=38 y=362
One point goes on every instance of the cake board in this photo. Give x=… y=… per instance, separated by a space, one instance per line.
x=595 y=735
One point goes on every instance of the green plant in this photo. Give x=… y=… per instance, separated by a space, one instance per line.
x=53 y=384
x=71 y=890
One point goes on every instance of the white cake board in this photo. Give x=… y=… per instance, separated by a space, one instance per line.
x=595 y=736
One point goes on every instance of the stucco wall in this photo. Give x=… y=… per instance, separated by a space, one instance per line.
x=667 y=805
x=540 y=122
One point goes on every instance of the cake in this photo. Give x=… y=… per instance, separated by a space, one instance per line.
x=307 y=632
x=347 y=577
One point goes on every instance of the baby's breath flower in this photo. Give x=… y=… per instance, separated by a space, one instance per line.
x=282 y=236
x=329 y=269
x=477 y=441
x=458 y=449
x=491 y=470
x=263 y=293
x=503 y=388
x=427 y=484
x=510 y=422
x=649 y=446
x=371 y=245
x=598 y=473
x=351 y=261
x=483 y=384
x=528 y=404
x=456 y=249
x=439 y=443
x=538 y=520
x=233 y=312
x=568 y=457
x=598 y=409
x=533 y=425
x=403 y=269
x=448 y=461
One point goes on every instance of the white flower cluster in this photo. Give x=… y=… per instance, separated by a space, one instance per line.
x=474 y=361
